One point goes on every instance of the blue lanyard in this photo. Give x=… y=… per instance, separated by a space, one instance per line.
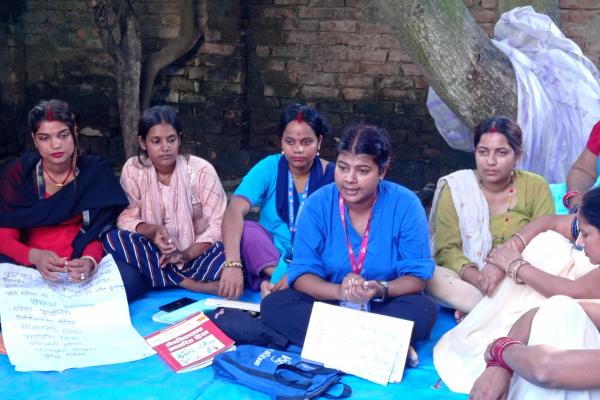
x=301 y=198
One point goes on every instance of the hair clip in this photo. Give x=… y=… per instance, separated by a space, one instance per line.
x=299 y=116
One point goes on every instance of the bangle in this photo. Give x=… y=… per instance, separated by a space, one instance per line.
x=497 y=352
x=233 y=264
x=568 y=196
x=463 y=268
x=94 y=262
x=518 y=235
x=513 y=270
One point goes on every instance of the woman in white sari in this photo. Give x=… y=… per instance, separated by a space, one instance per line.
x=549 y=265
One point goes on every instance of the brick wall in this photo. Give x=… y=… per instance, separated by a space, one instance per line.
x=256 y=56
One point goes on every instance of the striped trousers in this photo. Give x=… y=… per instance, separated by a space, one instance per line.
x=139 y=252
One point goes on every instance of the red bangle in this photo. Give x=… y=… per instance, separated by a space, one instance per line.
x=496 y=352
x=568 y=196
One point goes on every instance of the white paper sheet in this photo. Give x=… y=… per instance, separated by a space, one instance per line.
x=364 y=344
x=53 y=326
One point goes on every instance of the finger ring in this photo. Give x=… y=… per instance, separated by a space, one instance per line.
x=82 y=276
x=65 y=263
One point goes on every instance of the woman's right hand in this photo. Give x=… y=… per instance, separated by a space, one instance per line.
x=47 y=262
x=163 y=241
x=231 y=283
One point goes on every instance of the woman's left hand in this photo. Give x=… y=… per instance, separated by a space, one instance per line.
x=79 y=269
x=489 y=279
x=492 y=384
x=502 y=255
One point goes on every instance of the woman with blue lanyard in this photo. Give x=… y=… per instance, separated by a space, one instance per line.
x=279 y=184
x=362 y=243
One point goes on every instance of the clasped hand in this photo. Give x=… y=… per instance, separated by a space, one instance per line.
x=49 y=264
x=356 y=289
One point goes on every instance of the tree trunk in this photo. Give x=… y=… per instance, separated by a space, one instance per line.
x=186 y=39
x=548 y=7
x=117 y=24
x=459 y=61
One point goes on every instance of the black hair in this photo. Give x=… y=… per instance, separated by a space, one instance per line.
x=590 y=207
x=503 y=125
x=304 y=113
x=52 y=110
x=370 y=140
x=155 y=116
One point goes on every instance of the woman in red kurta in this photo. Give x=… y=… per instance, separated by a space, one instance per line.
x=54 y=204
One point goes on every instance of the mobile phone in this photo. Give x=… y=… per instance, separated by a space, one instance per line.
x=177 y=304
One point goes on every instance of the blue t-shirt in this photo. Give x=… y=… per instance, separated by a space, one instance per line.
x=259 y=188
x=398 y=239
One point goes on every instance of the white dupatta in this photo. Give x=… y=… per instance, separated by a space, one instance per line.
x=473 y=214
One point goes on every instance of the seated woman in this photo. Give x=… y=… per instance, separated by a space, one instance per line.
x=475 y=210
x=279 y=184
x=171 y=230
x=582 y=175
x=561 y=358
x=361 y=243
x=55 y=204
x=549 y=265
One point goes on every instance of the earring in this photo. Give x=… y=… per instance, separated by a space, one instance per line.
x=282 y=152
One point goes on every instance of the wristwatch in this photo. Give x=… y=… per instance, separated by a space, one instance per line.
x=386 y=291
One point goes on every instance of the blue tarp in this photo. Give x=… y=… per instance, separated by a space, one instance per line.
x=151 y=378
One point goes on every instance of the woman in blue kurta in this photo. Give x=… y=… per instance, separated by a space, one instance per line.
x=361 y=243
x=278 y=184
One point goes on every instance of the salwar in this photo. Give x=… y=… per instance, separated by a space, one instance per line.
x=257 y=251
x=139 y=252
x=288 y=312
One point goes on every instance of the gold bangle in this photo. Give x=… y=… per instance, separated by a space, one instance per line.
x=233 y=264
x=463 y=268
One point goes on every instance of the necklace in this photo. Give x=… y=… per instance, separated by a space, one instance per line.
x=57 y=184
x=505 y=225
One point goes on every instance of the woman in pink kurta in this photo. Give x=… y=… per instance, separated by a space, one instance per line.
x=171 y=230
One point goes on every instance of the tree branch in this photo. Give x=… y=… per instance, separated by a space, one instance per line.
x=175 y=48
x=103 y=14
x=473 y=77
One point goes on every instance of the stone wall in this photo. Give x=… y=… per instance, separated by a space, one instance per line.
x=255 y=57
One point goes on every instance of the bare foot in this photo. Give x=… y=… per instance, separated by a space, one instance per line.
x=459 y=316
x=412 y=359
x=202 y=287
x=265 y=288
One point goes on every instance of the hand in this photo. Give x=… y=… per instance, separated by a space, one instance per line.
x=172 y=258
x=79 y=269
x=47 y=262
x=373 y=289
x=231 y=283
x=489 y=279
x=267 y=287
x=492 y=384
x=575 y=203
x=348 y=282
x=163 y=241
x=501 y=256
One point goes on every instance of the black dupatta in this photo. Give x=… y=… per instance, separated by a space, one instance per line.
x=95 y=192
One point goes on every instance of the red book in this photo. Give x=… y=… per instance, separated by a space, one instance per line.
x=190 y=344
